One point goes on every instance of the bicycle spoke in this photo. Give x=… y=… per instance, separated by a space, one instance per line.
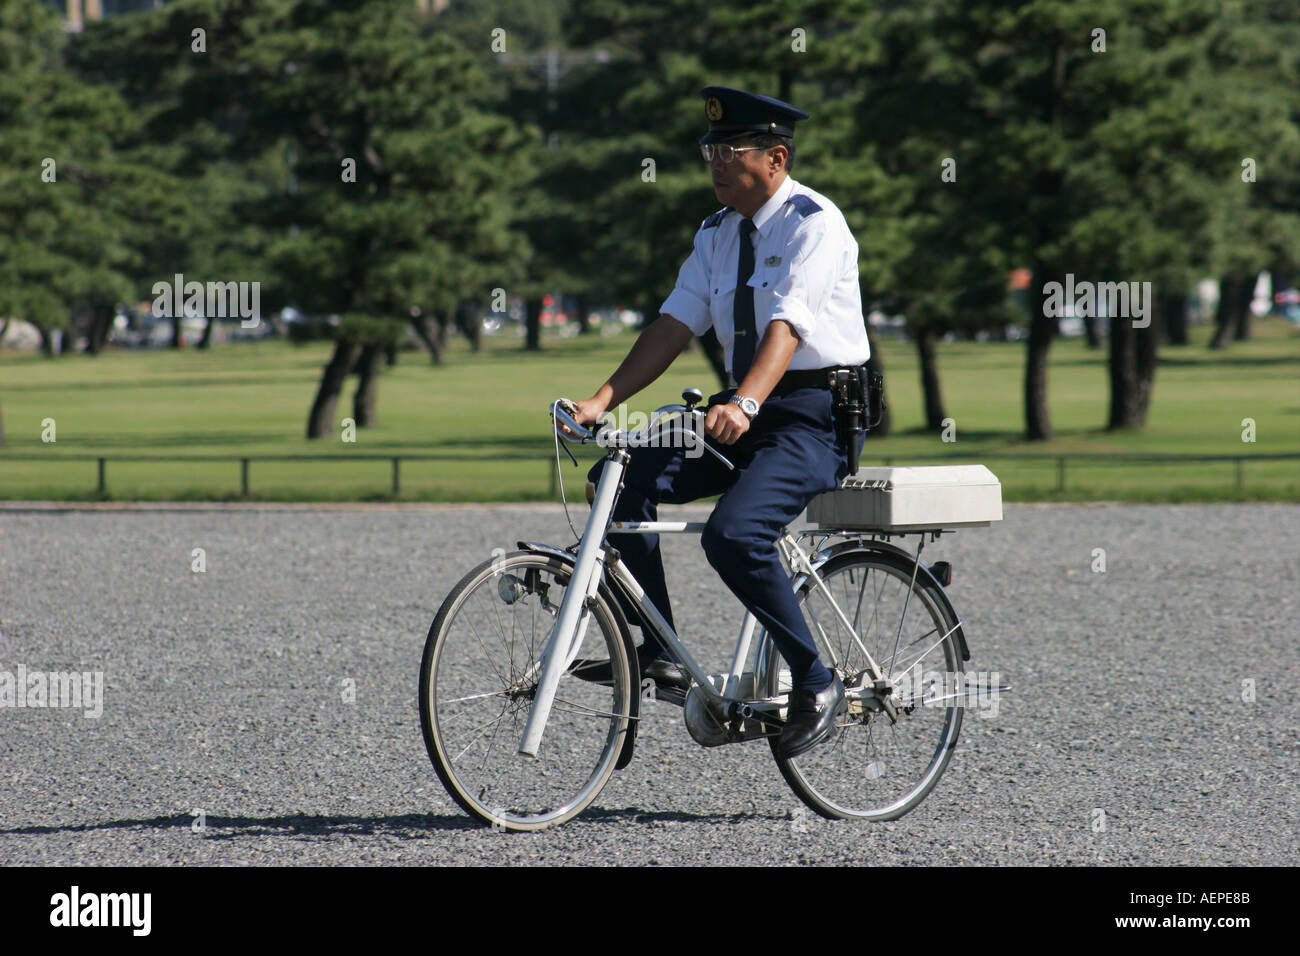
x=495 y=730
x=488 y=657
x=872 y=766
x=576 y=708
x=462 y=661
x=857 y=607
x=461 y=700
x=925 y=653
x=478 y=732
x=496 y=607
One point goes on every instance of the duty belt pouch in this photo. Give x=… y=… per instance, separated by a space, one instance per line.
x=874 y=396
x=848 y=389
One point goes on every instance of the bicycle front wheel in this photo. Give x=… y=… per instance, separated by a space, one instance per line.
x=875 y=768
x=478 y=678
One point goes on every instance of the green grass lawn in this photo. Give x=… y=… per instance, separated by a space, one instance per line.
x=486 y=413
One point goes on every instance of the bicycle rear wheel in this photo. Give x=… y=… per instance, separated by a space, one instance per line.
x=478 y=677
x=873 y=768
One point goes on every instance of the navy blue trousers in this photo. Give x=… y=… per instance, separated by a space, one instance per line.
x=789 y=455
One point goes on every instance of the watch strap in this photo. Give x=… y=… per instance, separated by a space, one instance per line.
x=742 y=400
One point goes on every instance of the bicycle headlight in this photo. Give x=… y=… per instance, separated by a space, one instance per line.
x=510 y=588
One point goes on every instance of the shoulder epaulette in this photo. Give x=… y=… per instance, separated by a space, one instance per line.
x=804 y=205
x=716 y=218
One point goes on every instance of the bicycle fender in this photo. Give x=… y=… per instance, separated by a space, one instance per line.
x=625 y=632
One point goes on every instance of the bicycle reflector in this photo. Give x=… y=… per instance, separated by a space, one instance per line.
x=942 y=572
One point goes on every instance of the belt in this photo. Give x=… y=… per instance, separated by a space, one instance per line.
x=812 y=377
x=807 y=378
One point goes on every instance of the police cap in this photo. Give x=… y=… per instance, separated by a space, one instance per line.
x=732 y=113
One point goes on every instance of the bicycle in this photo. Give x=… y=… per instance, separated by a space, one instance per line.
x=520 y=743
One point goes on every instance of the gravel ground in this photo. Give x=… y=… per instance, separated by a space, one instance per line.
x=1131 y=736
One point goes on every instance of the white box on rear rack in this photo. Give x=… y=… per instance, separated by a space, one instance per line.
x=911 y=499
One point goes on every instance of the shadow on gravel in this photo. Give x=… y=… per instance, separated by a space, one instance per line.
x=633 y=815
x=411 y=825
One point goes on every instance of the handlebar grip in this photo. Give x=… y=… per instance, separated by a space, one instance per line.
x=564 y=412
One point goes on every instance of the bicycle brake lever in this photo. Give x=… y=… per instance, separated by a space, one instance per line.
x=718 y=455
x=565 y=405
x=709 y=448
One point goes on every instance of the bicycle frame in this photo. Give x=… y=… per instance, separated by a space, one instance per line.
x=571 y=621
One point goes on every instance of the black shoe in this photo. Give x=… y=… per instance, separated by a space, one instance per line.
x=811 y=718
x=666 y=673
x=663 y=672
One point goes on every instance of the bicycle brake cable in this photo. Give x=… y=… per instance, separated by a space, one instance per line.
x=559 y=472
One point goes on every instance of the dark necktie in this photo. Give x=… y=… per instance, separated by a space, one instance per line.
x=742 y=323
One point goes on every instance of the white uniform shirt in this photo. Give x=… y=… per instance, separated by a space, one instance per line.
x=805 y=273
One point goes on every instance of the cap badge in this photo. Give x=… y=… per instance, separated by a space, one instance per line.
x=713 y=109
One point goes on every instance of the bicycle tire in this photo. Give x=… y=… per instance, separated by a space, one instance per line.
x=837 y=779
x=591 y=744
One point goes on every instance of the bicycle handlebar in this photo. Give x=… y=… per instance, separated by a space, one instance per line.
x=562 y=411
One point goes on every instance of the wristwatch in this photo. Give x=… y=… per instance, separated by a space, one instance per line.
x=747 y=405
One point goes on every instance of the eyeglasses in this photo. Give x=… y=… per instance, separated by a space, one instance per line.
x=723 y=152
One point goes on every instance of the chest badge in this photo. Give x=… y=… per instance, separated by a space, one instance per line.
x=772 y=261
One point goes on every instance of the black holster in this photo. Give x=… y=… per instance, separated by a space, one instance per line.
x=856 y=392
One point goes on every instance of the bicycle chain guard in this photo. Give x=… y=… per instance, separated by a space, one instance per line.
x=707 y=721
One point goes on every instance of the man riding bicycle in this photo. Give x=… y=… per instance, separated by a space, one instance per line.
x=775 y=274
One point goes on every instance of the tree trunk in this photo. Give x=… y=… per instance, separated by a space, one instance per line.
x=421 y=326
x=880 y=416
x=716 y=355
x=320 y=421
x=1173 y=308
x=533 y=325
x=471 y=323
x=1148 y=339
x=206 y=340
x=1044 y=232
x=1038 y=424
x=47 y=341
x=1245 y=316
x=177 y=341
x=925 y=347
x=583 y=316
x=475 y=329
x=1132 y=371
x=101 y=322
x=1235 y=293
x=1092 y=331
x=1223 y=314
x=1123 y=375
x=390 y=353
x=363 y=401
